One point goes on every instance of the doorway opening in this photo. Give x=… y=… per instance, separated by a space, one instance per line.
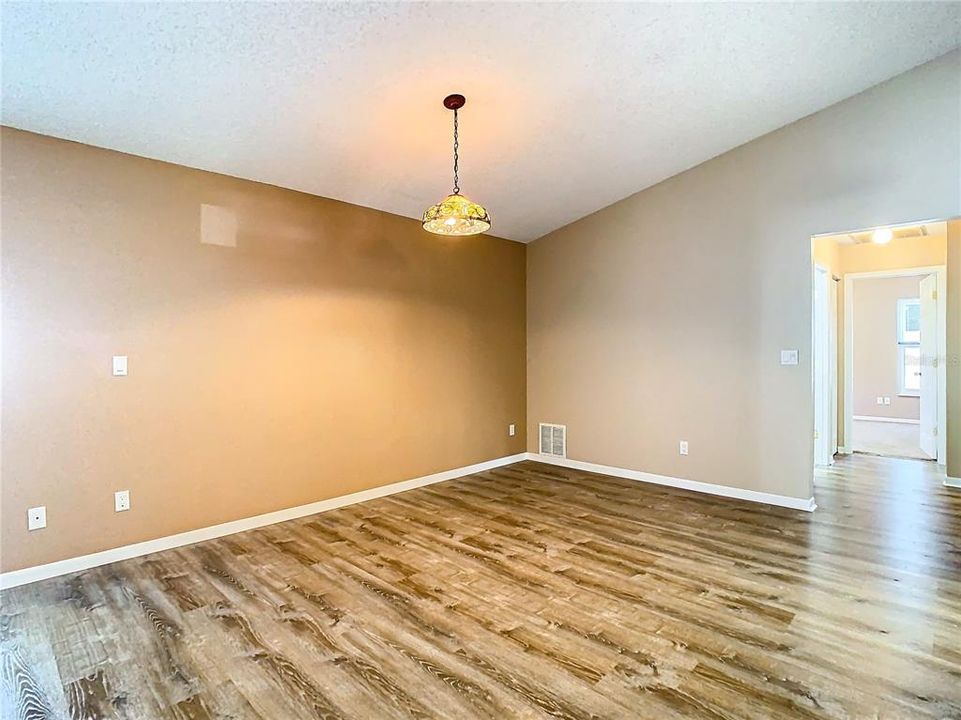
x=893 y=330
x=879 y=332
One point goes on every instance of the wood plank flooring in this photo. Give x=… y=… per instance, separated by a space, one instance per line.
x=524 y=592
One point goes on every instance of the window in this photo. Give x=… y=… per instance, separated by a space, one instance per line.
x=909 y=346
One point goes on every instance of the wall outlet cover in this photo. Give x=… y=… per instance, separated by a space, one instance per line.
x=37 y=518
x=789 y=357
x=682 y=448
x=119 y=365
x=121 y=500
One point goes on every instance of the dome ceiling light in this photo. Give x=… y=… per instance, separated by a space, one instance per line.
x=456 y=214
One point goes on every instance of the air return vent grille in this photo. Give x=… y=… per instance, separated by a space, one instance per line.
x=553 y=440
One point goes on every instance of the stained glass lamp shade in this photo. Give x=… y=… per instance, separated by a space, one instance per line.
x=456 y=214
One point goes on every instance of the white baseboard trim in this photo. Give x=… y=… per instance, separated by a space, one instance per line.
x=808 y=504
x=876 y=418
x=952 y=482
x=64 y=567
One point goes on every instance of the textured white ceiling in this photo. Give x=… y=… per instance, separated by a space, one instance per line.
x=570 y=107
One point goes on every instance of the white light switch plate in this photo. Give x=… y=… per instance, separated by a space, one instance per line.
x=512 y=430
x=37 y=518
x=789 y=357
x=119 y=365
x=682 y=448
x=121 y=500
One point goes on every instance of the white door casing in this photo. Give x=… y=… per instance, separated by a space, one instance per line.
x=823 y=426
x=833 y=371
x=929 y=366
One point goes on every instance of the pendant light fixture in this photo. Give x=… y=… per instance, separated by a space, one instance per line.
x=456 y=214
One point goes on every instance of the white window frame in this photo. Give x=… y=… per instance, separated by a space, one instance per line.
x=902 y=345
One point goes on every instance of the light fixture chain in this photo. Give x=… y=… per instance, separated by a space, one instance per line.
x=456 y=157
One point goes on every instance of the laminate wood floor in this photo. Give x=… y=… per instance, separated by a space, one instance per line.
x=524 y=592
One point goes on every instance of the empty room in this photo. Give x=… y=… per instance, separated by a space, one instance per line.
x=480 y=360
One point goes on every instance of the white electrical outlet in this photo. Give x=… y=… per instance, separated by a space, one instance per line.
x=789 y=357
x=512 y=430
x=683 y=447
x=880 y=400
x=120 y=365
x=887 y=401
x=37 y=518
x=121 y=500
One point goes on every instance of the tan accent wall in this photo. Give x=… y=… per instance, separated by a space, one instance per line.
x=826 y=252
x=335 y=349
x=661 y=317
x=876 y=346
x=954 y=349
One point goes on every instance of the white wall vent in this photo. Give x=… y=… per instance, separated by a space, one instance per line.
x=553 y=440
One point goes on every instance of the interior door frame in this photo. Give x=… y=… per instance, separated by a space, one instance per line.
x=940 y=271
x=823 y=378
x=833 y=368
